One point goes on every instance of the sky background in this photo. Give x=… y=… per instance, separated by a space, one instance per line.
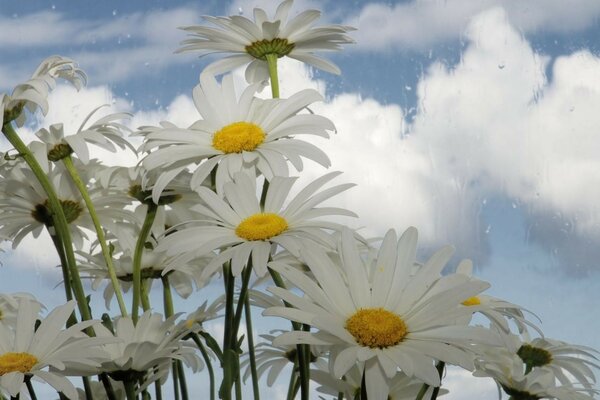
x=475 y=121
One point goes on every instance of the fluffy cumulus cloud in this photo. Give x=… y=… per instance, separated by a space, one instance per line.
x=419 y=24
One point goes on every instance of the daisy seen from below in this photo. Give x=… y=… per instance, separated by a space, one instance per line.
x=235 y=134
x=105 y=132
x=255 y=41
x=144 y=352
x=511 y=374
x=27 y=353
x=24 y=204
x=383 y=322
x=33 y=93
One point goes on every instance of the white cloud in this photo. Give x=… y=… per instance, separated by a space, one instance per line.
x=419 y=24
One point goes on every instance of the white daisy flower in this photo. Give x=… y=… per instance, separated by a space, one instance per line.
x=384 y=321
x=510 y=374
x=499 y=312
x=34 y=93
x=146 y=350
x=272 y=359
x=568 y=362
x=9 y=306
x=26 y=352
x=196 y=319
x=105 y=132
x=235 y=134
x=98 y=392
x=244 y=229
x=24 y=205
x=250 y=41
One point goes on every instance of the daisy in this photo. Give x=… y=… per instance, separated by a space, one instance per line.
x=499 y=312
x=510 y=374
x=244 y=229
x=145 y=351
x=105 y=132
x=251 y=41
x=24 y=205
x=9 y=306
x=272 y=359
x=383 y=322
x=27 y=352
x=566 y=361
x=33 y=94
x=235 y=134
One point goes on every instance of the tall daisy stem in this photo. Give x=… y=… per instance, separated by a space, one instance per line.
x=137 y=260
x=130 y=390
x=58 y=217
x=207 y=360
x=251 y=355
x=68 y=163
x=30 y=389
x=272 y=63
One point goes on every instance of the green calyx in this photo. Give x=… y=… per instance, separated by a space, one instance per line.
x=42 y=213
x=59 y=151
x=145 y=196
x=13 y=113
x=519 y=395
x=147 y=273
x=534 y=356
x=278 y=46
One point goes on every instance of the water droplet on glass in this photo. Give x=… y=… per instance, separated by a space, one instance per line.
x=501 y=66
x=146 y=64
x=113 y=101
x=488 y=229
x=53 y=7
x=240 y=11
x=514 y=205
x=156 y=102
x=571 y=109
x=408 y=88
x=114 y=12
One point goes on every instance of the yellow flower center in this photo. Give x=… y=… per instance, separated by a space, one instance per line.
x=376 y=327
x=16 y=362
x=261 y=226
x=472 y=301
x=238 y=137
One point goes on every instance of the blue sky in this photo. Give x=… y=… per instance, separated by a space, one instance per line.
x=476 y=122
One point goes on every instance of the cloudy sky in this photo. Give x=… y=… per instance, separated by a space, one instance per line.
x=475 y=121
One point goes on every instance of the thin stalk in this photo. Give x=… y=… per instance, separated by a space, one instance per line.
x=241 y=300
x=229 y=318
x=363 y=386
x=238 y=387
x=340 y=396
x=130 y=390
x=145 y=295
x=157 y=390
x=87 y=388
x=293 y=378
x=178 y=366
x=137 y=260
x=272 y=63
x=30 y=389
x=440 y=368
x=252 y=356
x=58 y=217
x=422 y=392
x=68 y=162
x=110 y=392
x=176 y=386
x=211 y=372
x=60 y=249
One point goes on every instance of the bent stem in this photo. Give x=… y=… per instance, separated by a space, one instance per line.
x=68 y=163
x=211 y=372
x=58 y=217
x=137 y=260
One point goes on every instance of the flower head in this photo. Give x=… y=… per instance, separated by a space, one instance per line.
x=250 y=41
x=243 y=229
x=27 y=352
x=384 y=321
x=235 y=135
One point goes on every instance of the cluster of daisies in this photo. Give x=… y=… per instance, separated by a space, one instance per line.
x=214 y=203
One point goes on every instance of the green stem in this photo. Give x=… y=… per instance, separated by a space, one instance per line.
x=422 y=392
x=58 y=218
x=241 y=300
x=157 y=390
x=130 y=390
x=229 y=279
x=211 y=372
x=272 y=63
x=30 y=389
x=87 y=388
x=178 y=367
x=293 y=378
x=440 y=368
x=145 y=296
x=60 y=249
x=252 y=356
x=137 y=260
x=110 y=392
x=363 y=386
x=68 y=162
